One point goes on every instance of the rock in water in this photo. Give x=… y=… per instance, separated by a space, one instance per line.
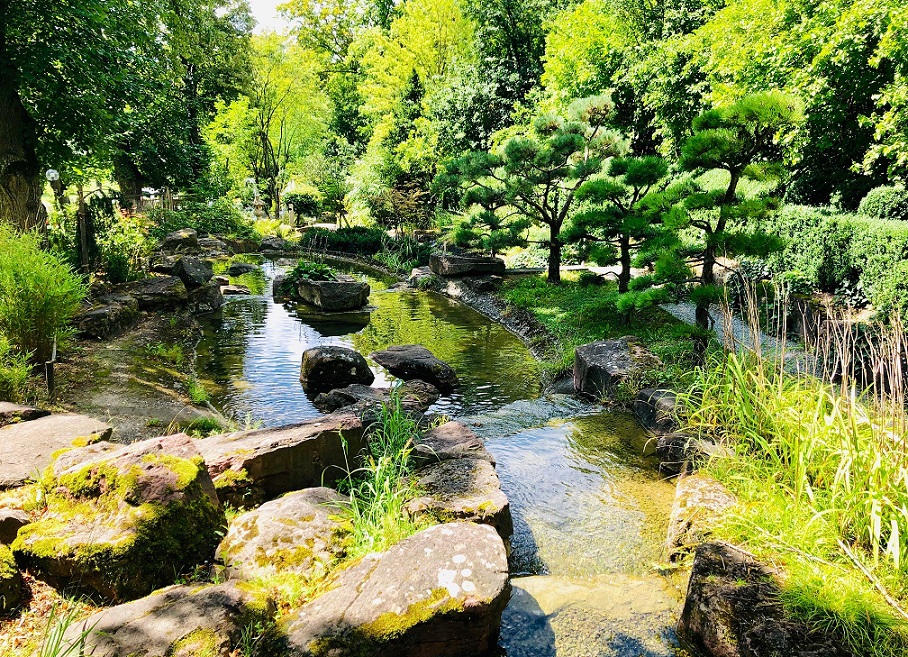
x=274 y=243
x=179 y=621
x=127 y=522
x=447 y=264
x=439 y=593
x=413 y=361
x=699 y=503
x=240 y=268
x=345 y=293
x=249 y=466
x=657 y=410
x=10 y=581
x=415 y=398
x=327 y=368
x=463 y=489
x=451 y=440
x=194 y=272
x=301 y=533
x=733 y=609
x=206 y=299
x=600 y=367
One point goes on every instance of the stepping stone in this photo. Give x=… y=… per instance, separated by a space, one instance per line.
x=26 y=447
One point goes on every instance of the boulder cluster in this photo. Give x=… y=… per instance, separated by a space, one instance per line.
x=123 y=523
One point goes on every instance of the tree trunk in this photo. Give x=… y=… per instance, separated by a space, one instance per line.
x=624 y=276
x=554 y=276
x=130 y=180
x=21 y=182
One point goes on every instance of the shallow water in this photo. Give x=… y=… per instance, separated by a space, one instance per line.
x=250 y=354
x=589 y=510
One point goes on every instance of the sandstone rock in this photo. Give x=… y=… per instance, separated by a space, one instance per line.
x=733 y=609
x=483 y=283
x=346 y=293
x=213 y=246
x=447 y=264
x=463 y=489
x=415 y=398
x=681 y=452
x=699 y=502
x=240 y=268
x=26 y=448
x=206 y=299
x=300 y=533
x=179 y=621
x=274 y=243
x=657 y=410
x=11 y=521
x=262 y=464
x=235 y=290
x=194 y=272
x=241 y=244
x=222 y=280
x=600 y=367
x=439 y=593
x=413 y=361
x=451 y=440
x=156 y=292
x=181 y=241
x=127 y=522
x=14 y=413
x=326 y=368
x=424 y=279
x=115 y=314
x=10 y=581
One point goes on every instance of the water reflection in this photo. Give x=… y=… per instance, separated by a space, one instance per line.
x=251 y=350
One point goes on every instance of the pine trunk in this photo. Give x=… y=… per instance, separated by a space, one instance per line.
x=624 y=276
x=554 y=275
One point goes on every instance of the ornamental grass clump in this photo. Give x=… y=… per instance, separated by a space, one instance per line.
x=820 y=468
x=39 y=295
x=381 y=487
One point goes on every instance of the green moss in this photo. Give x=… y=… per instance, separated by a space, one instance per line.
x=232 y=479
x=185 y=469
x=7 y=563
x=200 y=643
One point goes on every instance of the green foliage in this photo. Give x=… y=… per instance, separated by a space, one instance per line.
x=39 y=295
x=124 y=247
x=381 y=487
x=885 y=203
x=220 y=217
x=54 y=644
x=196 y=391
x=357 y=240
x=310 y=271
x=820 y=481
x=306 y=204
x=15 y=371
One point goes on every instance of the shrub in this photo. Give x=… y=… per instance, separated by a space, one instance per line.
x=357 y=240
x=885 y=203
x=311 y=271
x=305 y=204
x=124 y=249
x=39 y=295
x=14 y=373
x=219 y=217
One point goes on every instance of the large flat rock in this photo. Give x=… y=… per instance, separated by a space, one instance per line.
x=699 y=503
x=265 y=463
x=13 y=413
x=413 y=361
x=451 y=440
x=447 y=264
x=179 y=621
x=26 y=447
x=439 y=593
x=601 y=367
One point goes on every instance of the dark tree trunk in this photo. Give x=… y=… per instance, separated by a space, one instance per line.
x=21 y=182
x=554 y=275
x=130 y=180
x=624 y=276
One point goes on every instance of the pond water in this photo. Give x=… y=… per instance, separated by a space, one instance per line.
x=589 y=510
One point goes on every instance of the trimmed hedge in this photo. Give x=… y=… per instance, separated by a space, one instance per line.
x=885 y=203
x=357 y=240
x=832 y=249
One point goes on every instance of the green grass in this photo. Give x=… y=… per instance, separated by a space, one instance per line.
x=196 y=391
x=820 y=474
x=381 y=487
x=170 y=354
x=576 y=314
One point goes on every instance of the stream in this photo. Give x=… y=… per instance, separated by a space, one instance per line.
x=590 y=510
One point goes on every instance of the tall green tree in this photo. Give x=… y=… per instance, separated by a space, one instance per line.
x=538 y=174
x=615 y=218
x=742 y=141
x=67 y=69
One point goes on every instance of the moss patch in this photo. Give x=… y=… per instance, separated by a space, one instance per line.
x=200 y=643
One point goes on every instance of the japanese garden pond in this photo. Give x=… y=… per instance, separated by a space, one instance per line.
x=590 y=510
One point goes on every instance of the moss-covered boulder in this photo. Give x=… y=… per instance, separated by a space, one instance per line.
x=463 y=489
x=126 y=522
x=10 y=581
x=179 y=621
x=300 y=533
x=439 y=593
